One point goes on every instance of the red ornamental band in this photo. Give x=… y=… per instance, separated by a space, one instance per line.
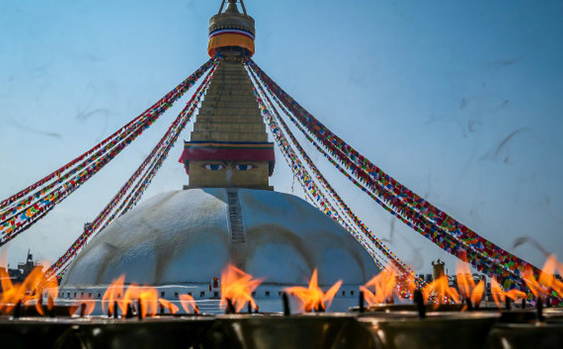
x=229 y=151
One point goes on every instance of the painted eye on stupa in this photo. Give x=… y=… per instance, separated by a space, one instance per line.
x=243 y=167
x=214 y=167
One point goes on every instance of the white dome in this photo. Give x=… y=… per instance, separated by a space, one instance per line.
x=184 y=237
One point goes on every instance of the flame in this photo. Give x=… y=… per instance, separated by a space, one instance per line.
x=515 y=294
x=531 y=281
x=441 y=289
x=464 y=278
x=172 y=308
x=51 y=286
x=407 y=284
x=10 y=294
x=188 y=303
x=313 y=298
x=237 y=286
x=26 y=292
x=497 y=292
x=112 y=294
x=477 y=293
x=466 y=284
x=148 y=299
x=31 y=283
x=149 y=302
x=89 y=304
x=546 y=281
x=499 y=295
x=132 y=294
x=126 y=299
x=547 y=278
x=7 y=285
x=384 y=284
x=557 y=287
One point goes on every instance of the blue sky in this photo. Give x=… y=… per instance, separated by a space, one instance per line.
x=460 y=101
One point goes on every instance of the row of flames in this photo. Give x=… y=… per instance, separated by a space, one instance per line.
x=388 y=282
x=145 y=298
x=237 y=288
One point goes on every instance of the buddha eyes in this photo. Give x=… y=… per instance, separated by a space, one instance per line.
x=214 y=167
x=243 y=167
x=239 y=167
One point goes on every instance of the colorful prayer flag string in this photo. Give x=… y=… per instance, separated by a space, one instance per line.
x=17 y=214
x=354 y=223
x=126 y=198
x=416 y=212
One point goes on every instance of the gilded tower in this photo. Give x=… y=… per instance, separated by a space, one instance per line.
x=229 y=145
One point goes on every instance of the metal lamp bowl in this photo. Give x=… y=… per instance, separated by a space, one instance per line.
x=524 y=336
x=518 y=316
x=438 y=330
x=31 y=332
x=155 y=332
x=409 y=307
x=316 y=330
x=553 y=314
x=530 y=316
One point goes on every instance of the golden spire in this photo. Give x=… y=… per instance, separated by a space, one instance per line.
x=231 y=30
x=229 y=145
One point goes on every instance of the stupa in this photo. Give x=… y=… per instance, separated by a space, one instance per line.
x=228 y=213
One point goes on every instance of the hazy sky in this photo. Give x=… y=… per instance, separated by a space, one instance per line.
x=461 y=101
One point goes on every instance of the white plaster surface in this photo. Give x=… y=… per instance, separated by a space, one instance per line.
x=182 y=237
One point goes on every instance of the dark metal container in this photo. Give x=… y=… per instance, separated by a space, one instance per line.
x=32 y=332
x=409 y=307
x=154 y=332
x=553 y=314
x=537 y=335
x=393 y=330
x=311 y=331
